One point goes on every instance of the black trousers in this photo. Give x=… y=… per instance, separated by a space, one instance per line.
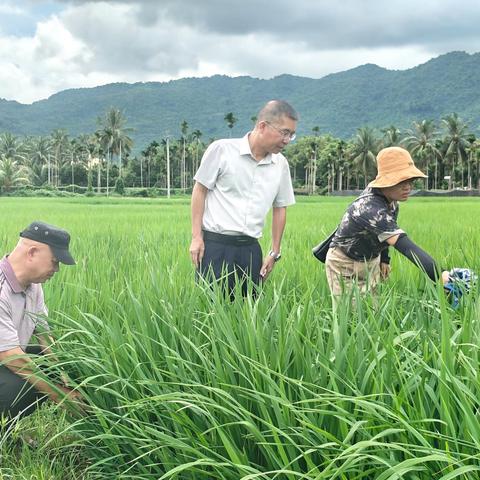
x=226 y=261
x=17 y=396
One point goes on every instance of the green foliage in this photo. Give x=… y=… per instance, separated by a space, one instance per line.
x=185 y=385
x=319 y=162
x=41 y=192
x=89 y=183
x=40 y=447
x=11 y=174
x=120 y=186
x=338 y=103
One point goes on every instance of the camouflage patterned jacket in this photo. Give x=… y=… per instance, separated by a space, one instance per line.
x=368 y=222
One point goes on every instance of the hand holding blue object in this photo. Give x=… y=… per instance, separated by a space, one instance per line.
x=460 y=281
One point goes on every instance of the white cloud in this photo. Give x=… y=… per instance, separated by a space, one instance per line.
x=51 y=60
x=96 y=42
x=121 y=45
x=9 y=9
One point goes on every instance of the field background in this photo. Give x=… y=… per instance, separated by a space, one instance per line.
x=185 y=385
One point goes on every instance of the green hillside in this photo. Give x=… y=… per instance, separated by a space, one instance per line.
x=338 y=103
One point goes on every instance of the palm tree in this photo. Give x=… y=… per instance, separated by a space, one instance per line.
x=106 y=141
x=391 y=136
x=166 y=143
x=183 y=172
x=59 y=141
x=313 y=164
x=79 y=155
x=477 y=157
x=420 y=142
x=302 y=154
x=149 y=154
x=365 y=147
x=349 y=165
x=95 y=156
x=38 y=159
x=114 y=137
x=12 y=174
x=167 y=146
x=12 y=147
x=196 y=135
x=231 y=121
x=456 y=141
x=341 y=163
x=473 y=158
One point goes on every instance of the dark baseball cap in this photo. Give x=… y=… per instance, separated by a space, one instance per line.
x=56 y=238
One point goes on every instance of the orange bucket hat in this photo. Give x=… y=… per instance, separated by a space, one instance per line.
x=394 y=165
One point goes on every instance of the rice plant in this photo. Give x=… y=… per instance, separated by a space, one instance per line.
x=183 y=384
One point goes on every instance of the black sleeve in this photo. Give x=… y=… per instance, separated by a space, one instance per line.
x=384 y=256
x=417 y=256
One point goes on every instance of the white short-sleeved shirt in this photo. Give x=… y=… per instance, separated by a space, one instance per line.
x=241 y=190
x=21 y=310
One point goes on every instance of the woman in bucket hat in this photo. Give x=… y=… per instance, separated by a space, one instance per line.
x=358 y=252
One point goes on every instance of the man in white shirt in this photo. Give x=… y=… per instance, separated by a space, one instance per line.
x=237 y=183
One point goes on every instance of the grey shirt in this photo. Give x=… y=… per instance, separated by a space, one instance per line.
x=21 y=310
x=241 y=190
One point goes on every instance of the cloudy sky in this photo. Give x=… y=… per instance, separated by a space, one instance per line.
x=48 y=46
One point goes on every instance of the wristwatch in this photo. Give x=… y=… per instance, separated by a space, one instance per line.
x=275 y=256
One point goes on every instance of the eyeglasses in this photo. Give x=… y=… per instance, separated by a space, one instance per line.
x=287 y=134
x=405 y=184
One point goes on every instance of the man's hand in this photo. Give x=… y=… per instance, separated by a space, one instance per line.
x=70 y=396
x=267 y=267
x=65 y=393
x=197 y=249
x=384 y=270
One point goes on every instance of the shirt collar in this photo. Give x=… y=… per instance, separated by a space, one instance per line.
x=378 y=191
x=246 y=150
x=12 y=280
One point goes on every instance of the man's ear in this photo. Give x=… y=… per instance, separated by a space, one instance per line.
x=261 y=126
x=32 y=251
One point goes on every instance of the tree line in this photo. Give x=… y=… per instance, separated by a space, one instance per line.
x=447 y=151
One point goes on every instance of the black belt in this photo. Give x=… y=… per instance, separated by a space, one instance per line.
x=229 y=239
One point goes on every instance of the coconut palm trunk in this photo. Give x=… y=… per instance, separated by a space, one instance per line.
x=73 y=173
x=168 y=169
x=108 y=170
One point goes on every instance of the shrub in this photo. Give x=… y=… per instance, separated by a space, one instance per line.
x=120 y=186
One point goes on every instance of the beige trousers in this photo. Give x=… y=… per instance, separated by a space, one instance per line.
x=343 y=273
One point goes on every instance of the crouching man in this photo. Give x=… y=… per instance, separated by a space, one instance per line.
x=33 y=261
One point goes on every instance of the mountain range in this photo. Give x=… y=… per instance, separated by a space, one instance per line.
x=338 y=103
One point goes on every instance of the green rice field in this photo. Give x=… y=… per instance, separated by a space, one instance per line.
x=185 y=385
